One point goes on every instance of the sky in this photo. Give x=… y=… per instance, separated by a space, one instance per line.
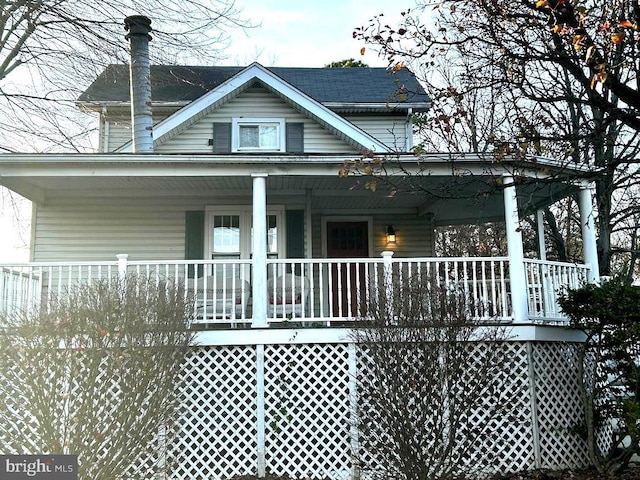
x=307 y=33
x=292 y=33
x=14 y=233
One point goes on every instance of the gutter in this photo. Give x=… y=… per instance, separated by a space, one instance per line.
x=98 y=105
x=387 y=106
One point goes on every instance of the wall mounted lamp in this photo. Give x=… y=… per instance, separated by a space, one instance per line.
x=391 y=235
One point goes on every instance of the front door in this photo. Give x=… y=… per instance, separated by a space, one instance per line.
x=347 y=240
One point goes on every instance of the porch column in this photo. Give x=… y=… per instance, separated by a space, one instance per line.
x=259 y=249
x=122 y=265
x=517 y=276
x=308 y=225
x=589 y=246
x=387 y=257
x=542 y=249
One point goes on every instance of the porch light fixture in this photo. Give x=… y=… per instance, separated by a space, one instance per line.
x=391 y=235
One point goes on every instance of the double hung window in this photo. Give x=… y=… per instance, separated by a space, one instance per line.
x=229 y=233
x=258 y=134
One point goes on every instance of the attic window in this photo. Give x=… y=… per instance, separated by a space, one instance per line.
x=258 y=135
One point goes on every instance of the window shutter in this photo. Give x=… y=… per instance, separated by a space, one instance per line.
x=194 y=239
x=295 y=137
x=221 y=138
x=295 y=235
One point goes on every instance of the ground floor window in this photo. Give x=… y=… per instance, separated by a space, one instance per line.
x=229 y=232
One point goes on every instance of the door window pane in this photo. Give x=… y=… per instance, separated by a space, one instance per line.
x=272 y=235
x=226 y=236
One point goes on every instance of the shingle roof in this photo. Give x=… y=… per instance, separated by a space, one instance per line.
x=325 y=85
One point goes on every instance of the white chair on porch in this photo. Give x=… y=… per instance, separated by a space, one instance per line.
x=221 y=298
x=288 y=296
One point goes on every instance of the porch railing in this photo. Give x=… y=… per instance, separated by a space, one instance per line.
x=545 y=281
x=303 y=292
x=331 y=290
x=19 y=288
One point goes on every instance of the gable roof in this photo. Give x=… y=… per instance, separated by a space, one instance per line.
x=256 y=73
x=334 y=87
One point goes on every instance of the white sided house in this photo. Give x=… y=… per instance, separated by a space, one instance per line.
x=235 y=192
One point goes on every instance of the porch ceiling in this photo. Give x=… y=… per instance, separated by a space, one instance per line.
x=449 y=199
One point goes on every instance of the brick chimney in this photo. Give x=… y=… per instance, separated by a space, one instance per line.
x=138 y=28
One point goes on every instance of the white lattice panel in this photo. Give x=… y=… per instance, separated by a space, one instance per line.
x=605 y=435
x=506 y=441
x=495 y=431
x=307 y=410
x=215 y=434
x=308 y=419
x=148 y=463
x=559 y=406
x=17 y=434
x=71 y=383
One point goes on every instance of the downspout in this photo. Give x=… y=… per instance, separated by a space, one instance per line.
x=138 y=28
x=104 y=132
x=409 y=131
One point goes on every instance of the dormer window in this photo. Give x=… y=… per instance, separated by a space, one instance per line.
x=258 y=135
x=264 y=135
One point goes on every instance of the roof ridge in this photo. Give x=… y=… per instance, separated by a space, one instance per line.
x=242 y=67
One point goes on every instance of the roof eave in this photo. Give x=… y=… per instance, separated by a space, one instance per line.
x=379 y=107
x=100 y=105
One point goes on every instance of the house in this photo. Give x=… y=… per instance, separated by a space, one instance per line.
x=235 y=191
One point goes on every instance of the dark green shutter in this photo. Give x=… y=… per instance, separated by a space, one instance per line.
x=295 y=137
x=194 y=238
x=295 y=234
x=221 y=138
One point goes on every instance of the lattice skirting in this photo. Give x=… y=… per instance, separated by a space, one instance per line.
x=287 y=409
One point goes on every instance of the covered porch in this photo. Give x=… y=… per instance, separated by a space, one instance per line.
x=297 y=280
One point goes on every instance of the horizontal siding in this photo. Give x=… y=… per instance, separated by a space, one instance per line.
x=390 y=130
x=94 y=229
x=255 y=102
x=117 y=131
x=414 y=235
x=258 y=102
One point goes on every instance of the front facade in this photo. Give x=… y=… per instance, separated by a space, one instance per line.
x=237 y=195
x=241 y=197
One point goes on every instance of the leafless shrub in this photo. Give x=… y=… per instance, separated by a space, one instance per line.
x=94 y=374
x=429 y=383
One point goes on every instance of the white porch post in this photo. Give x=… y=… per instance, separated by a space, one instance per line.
x=542 y=249
x=589 y=246
x=352 y=362
x=259 y=244
x=387 y=258
x=122 y=264
x=308 y=226
x=261 y=427
x=517 y=276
